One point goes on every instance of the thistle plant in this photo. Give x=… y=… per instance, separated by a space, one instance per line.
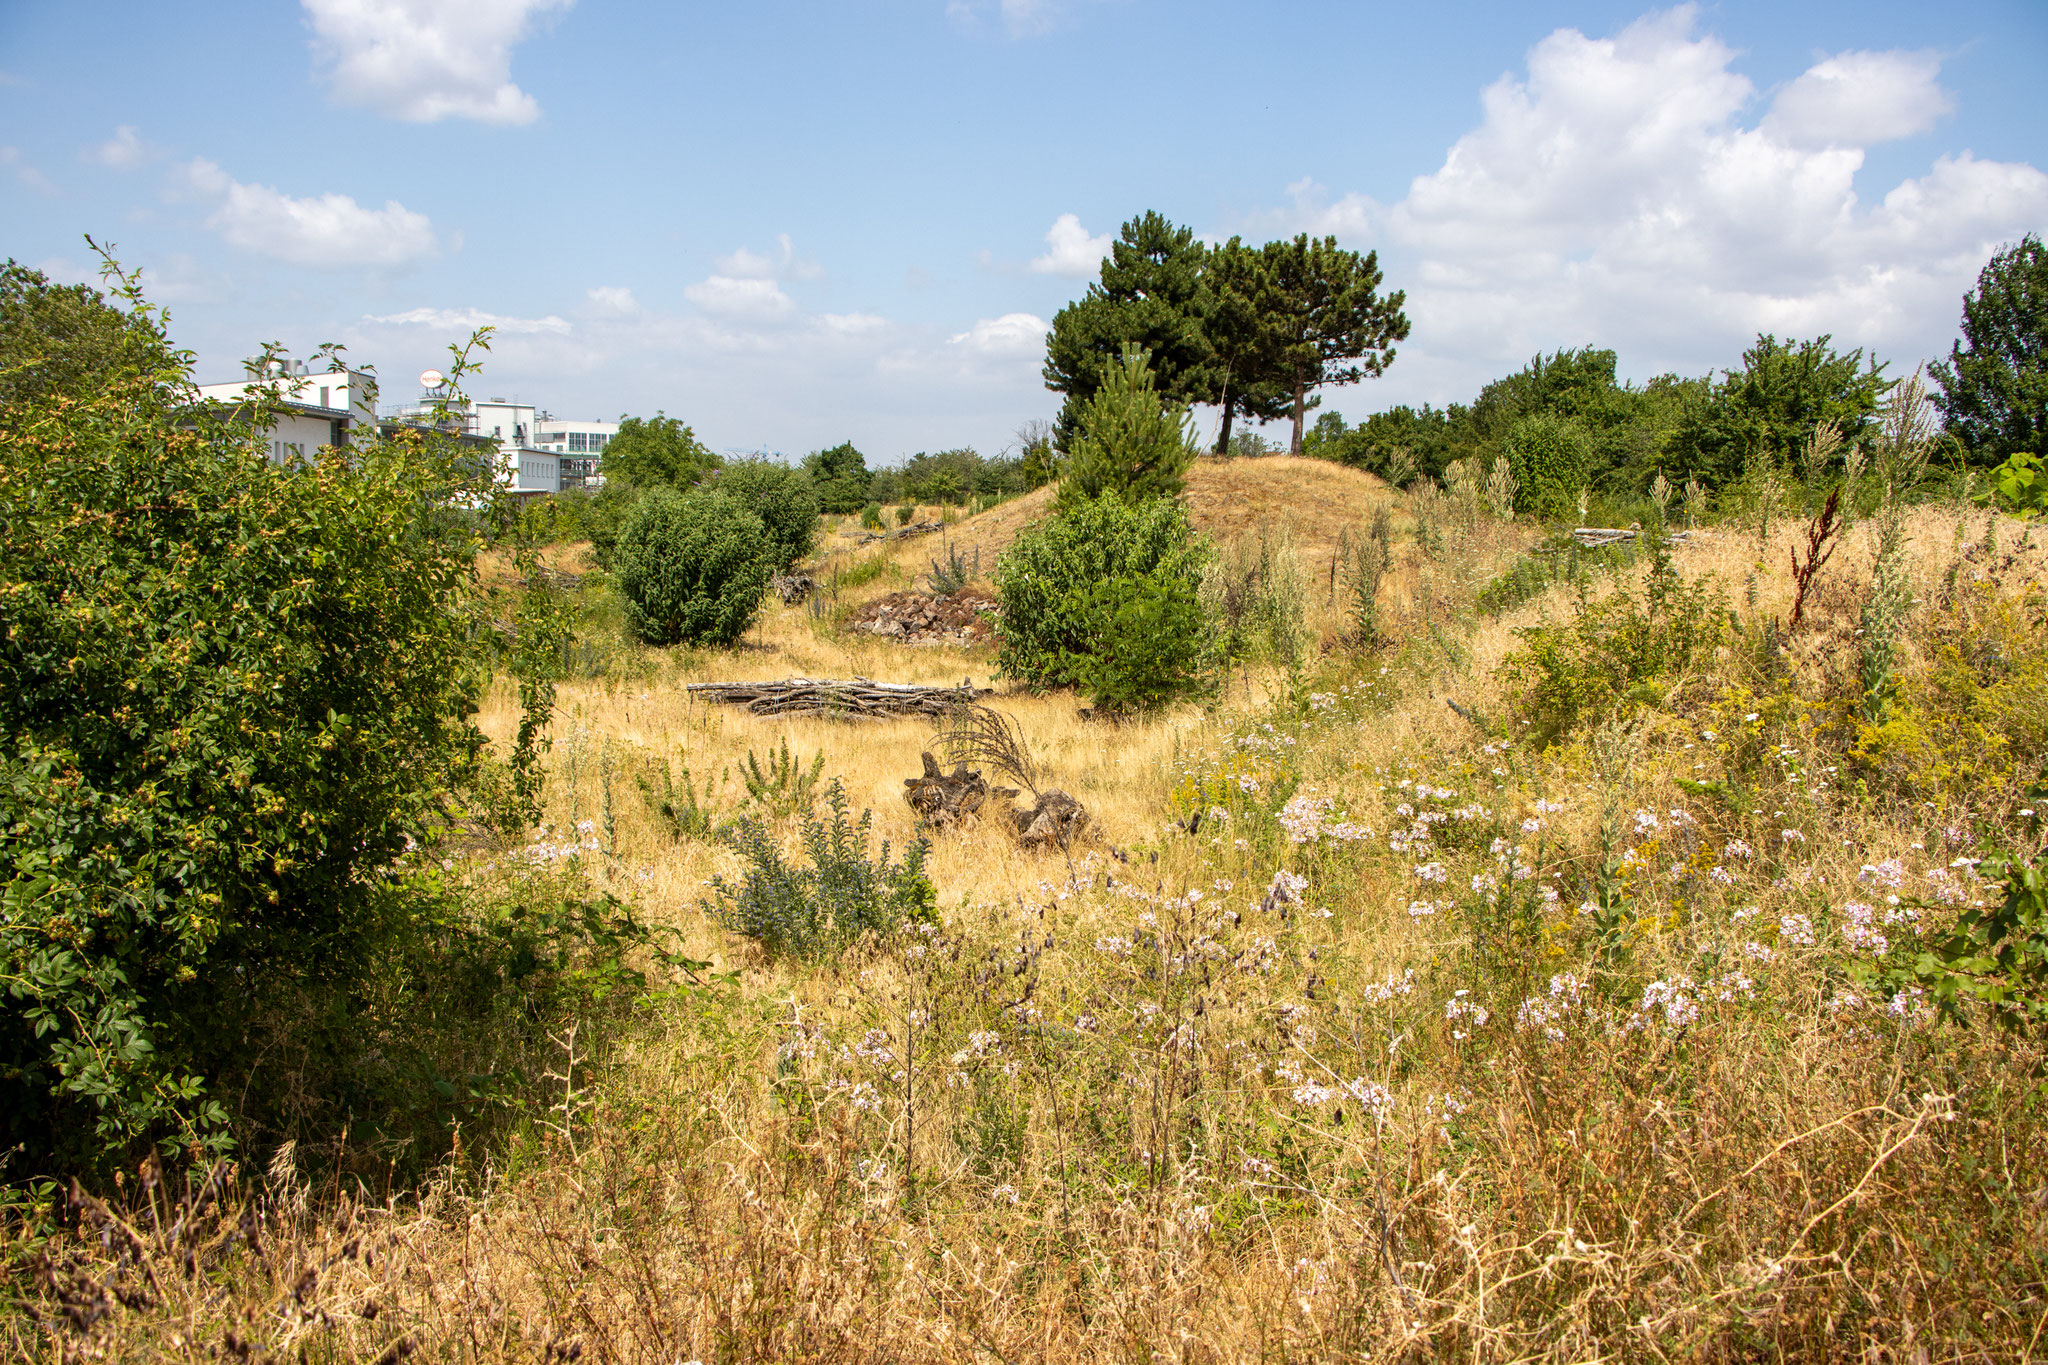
x=1400 y=466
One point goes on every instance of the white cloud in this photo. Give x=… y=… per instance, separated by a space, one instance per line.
x=1012 y=334
x=1859 y=99
x=1016 y=18
x=427 y=60
x=324 y=232
x=1350 y=218
x=1070 y=251
x=466 y=320
x=744 y=298
x=1617 y=195
x=27 y=174
x=613 y=299
x=745 y=286
x=783 y=265
x=852 y=324
x=121 y=152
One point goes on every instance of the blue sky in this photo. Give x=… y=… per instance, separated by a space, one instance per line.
x=794 y=224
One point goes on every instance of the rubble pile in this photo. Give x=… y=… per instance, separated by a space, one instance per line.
x=916 y=618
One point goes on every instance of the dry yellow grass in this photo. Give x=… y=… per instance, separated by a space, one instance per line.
x=1113 y=1147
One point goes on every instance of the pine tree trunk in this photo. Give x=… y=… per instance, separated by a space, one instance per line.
x=1300 y=410
x=1223 y=437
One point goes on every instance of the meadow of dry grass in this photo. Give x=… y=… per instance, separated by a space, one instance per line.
x=1314 y=1081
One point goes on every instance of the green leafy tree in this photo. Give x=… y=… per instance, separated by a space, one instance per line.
x=1052 y=618
x=1132 y=441
x=63 y=339
x=693 y=566
x=1152 y=293
x=657 y=451
x=1547 y=454
x=232 y=695
x=1994 y=385
x=1767 y=410
x=784 y=501
x=839 y=477
x=1330 y=325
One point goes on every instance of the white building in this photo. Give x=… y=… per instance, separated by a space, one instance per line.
x=312 y=410
x=537 y=451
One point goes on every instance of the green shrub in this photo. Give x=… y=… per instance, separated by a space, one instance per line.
x=1549 y=459
x=871 y=516
x=693 y=567
x=806 y=911
x=1621 y=649
x=904 y=514
x=1132 y=441
x=1053 y=617
x=232 y=694
x=1149 y=644
x=784 y=501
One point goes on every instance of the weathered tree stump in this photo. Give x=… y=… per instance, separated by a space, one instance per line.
x=793 y=588
x=945 y=800
x=1057 y=821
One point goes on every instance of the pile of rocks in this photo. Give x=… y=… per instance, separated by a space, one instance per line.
x=915 y=618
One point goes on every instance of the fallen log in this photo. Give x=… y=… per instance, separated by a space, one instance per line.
x=1593 y=537
x=852 y=699
x=919 y=528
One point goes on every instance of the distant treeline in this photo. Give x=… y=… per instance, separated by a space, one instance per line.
x=1619 y=436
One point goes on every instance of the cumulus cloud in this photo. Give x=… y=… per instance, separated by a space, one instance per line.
x=1859 y=99
x=743 y=298
x=323 y=232
x=745 y=286
x=1616 y=193
x=613 y=299
x=121 y=152
x=1070 y=251
x=465 y=320
x=1350 y=218
x=782 y=264
x=1012 y=334
x=27 y=174
x=427 y=60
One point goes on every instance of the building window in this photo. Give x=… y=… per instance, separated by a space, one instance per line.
x=576 y=440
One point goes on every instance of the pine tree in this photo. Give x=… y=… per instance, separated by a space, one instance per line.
x=1153 y=294
x=1131 y=440
x=1330 y=325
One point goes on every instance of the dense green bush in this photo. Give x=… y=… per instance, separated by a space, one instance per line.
x=842 y=893
x=1150 y=643
x=839 y=477
x=231 y=695
x=784 y=501
x=693 y=566
x=1054 y=617
x=1548 y=456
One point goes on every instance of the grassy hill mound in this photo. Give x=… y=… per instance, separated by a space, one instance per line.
x=1313 y=503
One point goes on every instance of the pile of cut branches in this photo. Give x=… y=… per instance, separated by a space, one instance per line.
x=853 y=699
